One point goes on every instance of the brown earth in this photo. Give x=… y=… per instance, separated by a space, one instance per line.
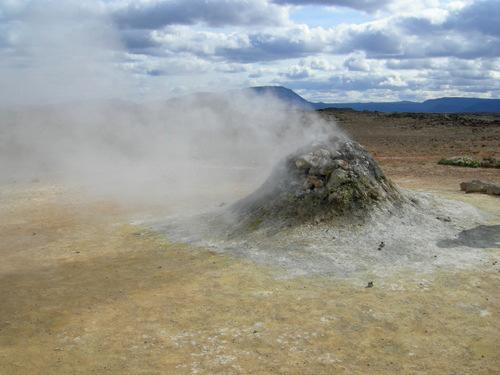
x=408 y=146
x=82 y=291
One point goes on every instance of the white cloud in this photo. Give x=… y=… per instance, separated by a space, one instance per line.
x=364 y=5
x=414 y=48
x=156 y=14
x=357 y=62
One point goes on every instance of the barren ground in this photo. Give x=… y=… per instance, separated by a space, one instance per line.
x=83 y=291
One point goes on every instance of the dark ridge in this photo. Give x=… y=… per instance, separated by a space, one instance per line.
x=284 y=94
x=291 y=98
x=439 y=105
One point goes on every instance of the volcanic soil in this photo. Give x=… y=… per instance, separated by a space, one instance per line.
x=85 y=291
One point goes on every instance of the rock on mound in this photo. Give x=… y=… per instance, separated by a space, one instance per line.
x=337 y=178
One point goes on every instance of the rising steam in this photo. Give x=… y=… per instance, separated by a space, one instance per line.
x=67 y=116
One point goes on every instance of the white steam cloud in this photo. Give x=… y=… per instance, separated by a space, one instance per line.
x=59 y=52
x=58 y=122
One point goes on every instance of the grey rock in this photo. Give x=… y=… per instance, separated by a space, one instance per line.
x=477 y=186
x=493 y=189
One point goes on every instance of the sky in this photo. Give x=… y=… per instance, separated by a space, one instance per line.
x=325 y=50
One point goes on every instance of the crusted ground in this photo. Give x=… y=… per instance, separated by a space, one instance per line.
x=84 y=291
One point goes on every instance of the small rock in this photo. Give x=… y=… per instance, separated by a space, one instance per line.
x=301 y=164
x=381 y=245
x=340 y=163
x=369 y=285
x=314 y=182
x=337 y=178
x=446 y=219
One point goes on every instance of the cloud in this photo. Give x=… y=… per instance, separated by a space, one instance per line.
x=349 y=82
x=215 y=13
x=480 y=16
x=140 y=41
x=298 y=72
x=318 y=63
x=441 y=48
x=418 y=64
x=276 y=44
x=469 y=32
x=272 y=46
x=375 y=42
x=398 y=36
x=357 y=63
x=365 y=5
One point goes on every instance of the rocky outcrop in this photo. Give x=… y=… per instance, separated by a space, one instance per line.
x=325 y=180
x=476 y=186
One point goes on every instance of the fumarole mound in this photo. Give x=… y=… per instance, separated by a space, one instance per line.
x=329 y=209
x=320 y=182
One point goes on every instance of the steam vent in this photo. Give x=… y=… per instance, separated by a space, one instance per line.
x=323 y=181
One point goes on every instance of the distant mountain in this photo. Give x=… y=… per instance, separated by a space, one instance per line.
x=462 y=105
x=441 y=105
x=284 y=94
x=224 y=99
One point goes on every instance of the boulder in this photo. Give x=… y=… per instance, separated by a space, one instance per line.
x=477 y=186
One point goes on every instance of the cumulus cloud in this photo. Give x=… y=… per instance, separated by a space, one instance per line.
x=411 y=43
x=276 y=44
x=400 y=45
x=481 y=16
x=419 y=64
x=296 y=42
x=468 y=32
x=406 y=37
x=154 y=15
x=366 y=5
x=357 y=62
x=298 y=72
x=374 y=42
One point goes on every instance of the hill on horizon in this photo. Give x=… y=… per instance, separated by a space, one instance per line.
x=438 y=105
